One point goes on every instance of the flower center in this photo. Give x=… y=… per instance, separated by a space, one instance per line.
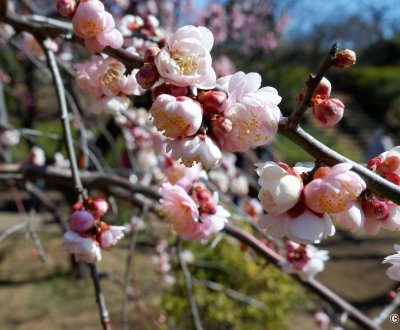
x=90 y=27
x=186 y=61
x=112 y=76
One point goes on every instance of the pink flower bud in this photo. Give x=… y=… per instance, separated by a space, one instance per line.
x=66 y=8
x=158 y=90
x=177 y=91
x=323 y=90
x=147 y=76
x=220 y=128
x=345 y=58
x=205 y=199
x=150 y=53
x=110 y=236
x=214 y=101
x=376 y=206
x=99 y=207
x=81 y=221
x=329 y=111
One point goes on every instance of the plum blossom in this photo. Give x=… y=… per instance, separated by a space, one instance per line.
x=306 y=261
x=391 y=221
x=280 y=185
x=83 y=248
x=81 y=221
x=253 y=111
x=110 y=236
x=199 y=149
x=96 y=26
x=194 y=217
x=322 y=319
x=176 y=116
x=352 y=218
x=332 y=189
x=329 y=111
x=300 y=225
x=186 y=59
x=9 y=137
x=394 y=270
x=129 y=24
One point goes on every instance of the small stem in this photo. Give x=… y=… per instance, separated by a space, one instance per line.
x=189 y=288
x=104 y=316
x=52 y=63
x=312 y=84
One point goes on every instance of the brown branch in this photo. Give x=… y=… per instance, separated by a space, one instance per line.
x=315 y=286
x=312 y=84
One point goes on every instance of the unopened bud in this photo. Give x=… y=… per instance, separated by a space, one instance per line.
x=158 y=90
x=345 y=58
x=177 y=90
x=323 y=90
x=66 y=8
x=220 y=128
x=81 y=221
x=329 y=111
x=376 y=206
x=214 y=101
x=147 y=76
x=99 y=207
x=205 y=199
x=150 y=53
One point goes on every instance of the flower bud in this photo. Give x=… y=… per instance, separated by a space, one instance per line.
x=376 y=206
x=329 y=111
x=147 y=76
x=205 y=199
x=158 y=90
x=81 y=221
x=177 y=91
x=150 y=53
x=345 y=58
x=214 y=101
x=220 y=128
x=323 y=90
x=99 y=207
x=66 y=8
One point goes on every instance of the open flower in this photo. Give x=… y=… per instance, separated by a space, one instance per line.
x=280 y=187
x=351 y=218
x=96 y=26
x=83 y=248
x=253 y=111
x=303 y=227
x=110 y=236
x=186 y=59
x=333 y=189
x=306 y=261
x=176 y=116
x=199 y=149
x=394 y=271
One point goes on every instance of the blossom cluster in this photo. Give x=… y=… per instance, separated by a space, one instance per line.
x=88 y=233
x=199 y=114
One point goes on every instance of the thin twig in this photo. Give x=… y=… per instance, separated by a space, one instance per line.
x=52 y=63
x=189 y=287
x=101 y=302
x=312 y=84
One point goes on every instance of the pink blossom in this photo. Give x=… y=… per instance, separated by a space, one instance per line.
x=387 y=162
x=352 y=218
x=306 y=261
x=280 y=187
x=328 y=112
x=110 y=236
x=394 y=270
x=253 y=112
x=81 y=221
x=99 y=207
x=186 y=60
x=83 y=248
x=96 y=26
x=113 y=105
x=179 y=174
x=391 y=221
x=161 y=263
x=240 y=186
x=304 y=228
x=66 y=8
x=176 y=116
x=253 y=208
x=199 y=149
x=322 y=319
x=129 y=24
x=333 y=189
x=220 y=179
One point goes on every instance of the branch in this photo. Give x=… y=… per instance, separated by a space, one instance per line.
x=189 y=288
x=313 y=285
x=312 y=84
x=51 y=61
x=322 y=153
x=104 y=316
